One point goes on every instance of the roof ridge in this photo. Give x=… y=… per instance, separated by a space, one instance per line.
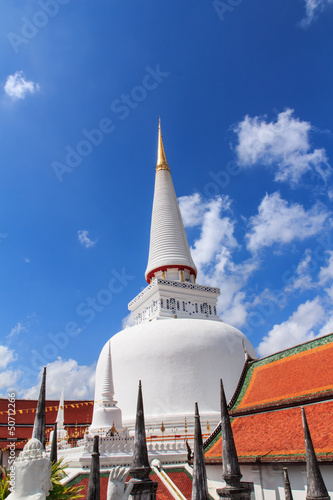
x=315 y=340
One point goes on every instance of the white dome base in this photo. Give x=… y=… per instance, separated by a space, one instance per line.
x=179 y=361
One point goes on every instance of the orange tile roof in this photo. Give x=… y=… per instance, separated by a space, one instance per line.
x=182 y=479
x=303 y=372
x=278 y=435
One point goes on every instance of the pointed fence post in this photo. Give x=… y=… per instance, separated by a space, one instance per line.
x=287 y=489
x=199 y=481
x=94 y=477
x=54 y=447
x=39 y=424
x=234 y=489
x=143 y=487
x=316 y=487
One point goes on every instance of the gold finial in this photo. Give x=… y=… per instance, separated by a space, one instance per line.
x=162 y=163
x=208 y=426
x=162 y=428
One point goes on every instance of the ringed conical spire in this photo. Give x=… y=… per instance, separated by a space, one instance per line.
x=168 y=242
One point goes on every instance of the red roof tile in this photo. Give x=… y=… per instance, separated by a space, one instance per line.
x=83 y=479
x=303 y=372
x=278 y=435
x=182 y=479
x=75 y=413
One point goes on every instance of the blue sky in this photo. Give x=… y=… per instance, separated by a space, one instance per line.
x=244 y=91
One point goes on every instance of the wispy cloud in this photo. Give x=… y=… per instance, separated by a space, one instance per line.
x=283 y=144
x=17 y=329
x=85 y=240
x=312 y=8
x=17 y=87
x=281 y=222
x=6 y=356
x=302 y=278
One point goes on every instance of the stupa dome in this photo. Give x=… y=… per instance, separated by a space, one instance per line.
x=179 y=347
x=179 y=361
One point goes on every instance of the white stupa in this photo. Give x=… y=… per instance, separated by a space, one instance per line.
x=179 y=347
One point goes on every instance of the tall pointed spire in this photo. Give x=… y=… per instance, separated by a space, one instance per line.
x=287 y=489
x=234 y=489
x=143 y=486
x=162 y=163
x=316 y=487
x=140 y=462
x=54 y=448
x=231 y=470
x=168 y=243
x=39 y=424
x=94 y=476
x=107 y=392
x=199 y=482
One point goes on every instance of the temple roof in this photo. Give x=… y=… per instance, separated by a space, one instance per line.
x=267 y=423
x=304 y=372
x=77 y=415
x=277 y=436
x=168 y=241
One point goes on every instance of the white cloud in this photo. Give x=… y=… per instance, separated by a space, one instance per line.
x=326 y=272
x=6 y=356
x=84 y=239
x=312 y=7
x=296 y=330
x=8 y=380
x=327 y=328
x=216 y=231
x=280 y=222
x=127 y=321
x=78 y=381
x=302 y=279
x=18 y=87
x=283 y=144
x=17 y=329
x=212 y=253
x=192 y=209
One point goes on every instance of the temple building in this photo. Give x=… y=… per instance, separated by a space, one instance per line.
x=179 y=347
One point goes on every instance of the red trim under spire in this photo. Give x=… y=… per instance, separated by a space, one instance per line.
x=165 y=268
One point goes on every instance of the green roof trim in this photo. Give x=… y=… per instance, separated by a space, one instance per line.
x=327 y=339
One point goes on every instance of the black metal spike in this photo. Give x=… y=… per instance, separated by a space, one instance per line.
x=199 y=481
x=316 y=487
x=231 y=471
x=54 y=448
x=94 y=477
x=287 y=489
x=39 y=424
